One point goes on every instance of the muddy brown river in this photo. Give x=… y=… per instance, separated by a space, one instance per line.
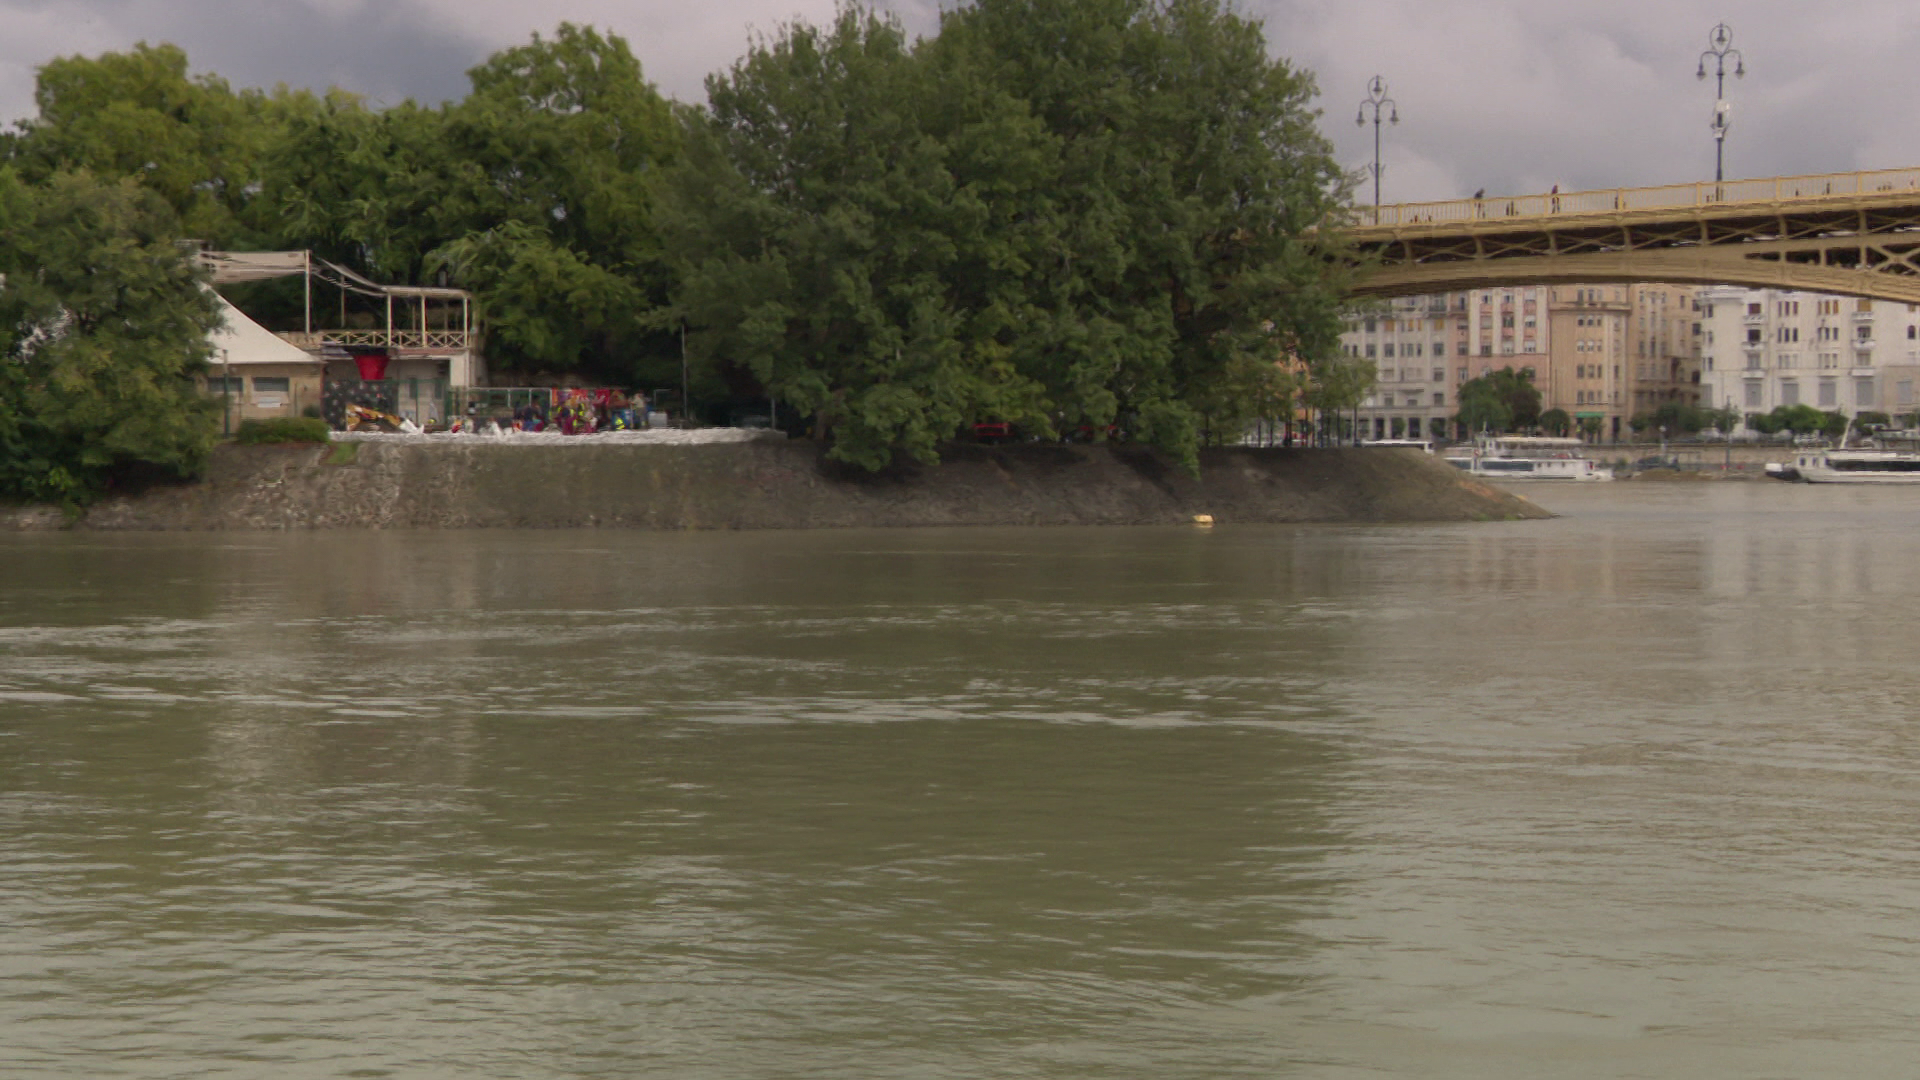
x=1627 y=793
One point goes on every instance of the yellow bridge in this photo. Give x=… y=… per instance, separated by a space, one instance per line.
x=1857 y=234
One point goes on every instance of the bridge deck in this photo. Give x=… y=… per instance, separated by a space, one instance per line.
x=1855 y=233
x=1796 y=193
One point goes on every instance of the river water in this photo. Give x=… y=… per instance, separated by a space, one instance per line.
x=1627 y=793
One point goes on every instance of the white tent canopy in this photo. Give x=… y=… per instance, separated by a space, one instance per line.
x=240 y=340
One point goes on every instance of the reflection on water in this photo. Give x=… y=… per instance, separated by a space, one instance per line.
x=1631 y=786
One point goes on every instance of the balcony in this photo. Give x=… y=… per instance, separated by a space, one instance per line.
x=421 y=340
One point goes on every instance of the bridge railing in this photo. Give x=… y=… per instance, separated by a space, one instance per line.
x=1672 y=196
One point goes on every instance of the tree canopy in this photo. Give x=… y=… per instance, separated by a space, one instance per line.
x=103 y=325
x=1065 y=214
x=1056 y=212
x=1504 y=400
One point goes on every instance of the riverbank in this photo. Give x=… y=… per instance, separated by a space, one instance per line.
x=773 y=484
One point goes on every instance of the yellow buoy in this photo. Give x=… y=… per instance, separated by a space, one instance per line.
x=1203 y=520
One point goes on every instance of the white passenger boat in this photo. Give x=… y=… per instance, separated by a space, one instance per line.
x=1858 y=466
x=1875 y=463
x=1529 y=457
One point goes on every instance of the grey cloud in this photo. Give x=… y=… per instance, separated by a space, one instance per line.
x=1516 y=95
x=1511 y=95
x=390 y=50
x=383 y=51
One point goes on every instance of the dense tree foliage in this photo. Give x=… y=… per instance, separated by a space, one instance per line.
x=192 y=141
x=1798 y=420
x=534 y=191
x=102 y=327
x=1677 y=417
x=1071 y=215
x=1504 y=400
x=1057 y=213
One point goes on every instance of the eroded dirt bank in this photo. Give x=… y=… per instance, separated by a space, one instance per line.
x=784 y=485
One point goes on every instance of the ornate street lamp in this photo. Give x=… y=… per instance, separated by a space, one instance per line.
x=1377 y=98
x=1720 y=46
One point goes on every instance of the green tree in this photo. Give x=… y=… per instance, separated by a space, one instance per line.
x=103 y=325
x=1680 y=418
x=549 y=208
x=1723 y=419
x=1798 y=419
x=535 y=191
x=1556 y=422
x=1055 y=212
x=1338 y=384
x=1504 y=400
x=193 y=141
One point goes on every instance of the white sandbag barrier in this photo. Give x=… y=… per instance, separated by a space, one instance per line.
x=505 y=437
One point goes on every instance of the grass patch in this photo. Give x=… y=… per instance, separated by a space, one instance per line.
x=344 y=453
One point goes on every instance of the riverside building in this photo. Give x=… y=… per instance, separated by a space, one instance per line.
x=1765 y=348
x=1601 y=353
x=1424 y=347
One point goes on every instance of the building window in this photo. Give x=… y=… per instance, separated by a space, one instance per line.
x=1789 y=392
x=1439 y=374
x=1387 y=350
x=1753 y=395
x=1829 y=393
x=1370 y=351
x=1441 y=399
x=218 y=385
x=263 y=385
x=1903 y=392
x=1863 y=393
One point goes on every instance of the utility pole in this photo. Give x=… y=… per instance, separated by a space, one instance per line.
x=1377 y=99
x=1720 y=46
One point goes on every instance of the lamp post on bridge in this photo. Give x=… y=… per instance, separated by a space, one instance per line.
x=1720 y=46
x=1377 y=99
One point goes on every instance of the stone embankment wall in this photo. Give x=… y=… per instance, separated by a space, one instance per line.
x=784 y=485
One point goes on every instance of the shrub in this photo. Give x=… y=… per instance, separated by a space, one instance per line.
x=284 y=430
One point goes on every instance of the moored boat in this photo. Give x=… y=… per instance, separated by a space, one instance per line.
x=1859 y=466
x=1875 y=463
x=1529 y=457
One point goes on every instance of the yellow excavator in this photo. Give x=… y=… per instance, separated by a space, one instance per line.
x=365 y=418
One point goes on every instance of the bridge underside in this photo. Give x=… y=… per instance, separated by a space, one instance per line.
x=1865 y=245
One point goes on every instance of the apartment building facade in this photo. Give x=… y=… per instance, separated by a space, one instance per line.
x=1765 y=348
x=1424 y=347
x=1602 y=353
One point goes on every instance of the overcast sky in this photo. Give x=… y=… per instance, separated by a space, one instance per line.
x=1510 y=95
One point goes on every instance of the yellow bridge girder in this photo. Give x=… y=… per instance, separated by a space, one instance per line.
x=1855 y=234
